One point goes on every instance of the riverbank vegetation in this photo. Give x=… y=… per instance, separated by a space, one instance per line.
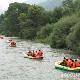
x=60 y=27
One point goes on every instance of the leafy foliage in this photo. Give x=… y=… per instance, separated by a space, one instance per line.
x=45 y=31
x=61 y=30
x=73 y=39
x=59 y=27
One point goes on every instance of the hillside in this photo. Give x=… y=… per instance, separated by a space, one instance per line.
x=51 y=4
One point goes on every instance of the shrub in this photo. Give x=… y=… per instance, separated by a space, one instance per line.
x=61 y=30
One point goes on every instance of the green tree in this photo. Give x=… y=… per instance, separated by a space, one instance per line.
x=55 y=15
x=61 y=30
x=73 y=39
x=68 y=3
x=11 y=17
x=30 y=22
x=36 y=14
x=68 y=7
x=44 y=32
x=77 y=5
x=1 y=23
x=27 y=29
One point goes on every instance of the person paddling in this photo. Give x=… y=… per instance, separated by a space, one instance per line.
x=64 y=62
x=12 y=44
x=29 y=53
x=75 y=64
x=39 y=53
x=33 y=54
x=67 y=62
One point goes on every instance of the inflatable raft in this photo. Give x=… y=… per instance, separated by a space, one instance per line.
x=12 y=45
x=1 y=37
x=30 y=57
x=57 y=65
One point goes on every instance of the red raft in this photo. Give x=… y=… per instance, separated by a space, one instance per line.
x=1 y=37
x=30 y=57
x=12 y=44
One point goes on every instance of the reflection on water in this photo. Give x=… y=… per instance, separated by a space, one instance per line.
x=13 y=66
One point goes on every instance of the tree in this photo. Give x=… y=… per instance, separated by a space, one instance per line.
x=61 y=30
x=11 y=17
x=55 y=15
x=36 y=14
x=77 y=5
x=1 y=23
x=27 y=29
x=68 y=7
x=45 y=31
x=68 y=3
x=73 y=39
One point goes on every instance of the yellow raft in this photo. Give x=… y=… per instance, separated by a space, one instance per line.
x=57 y=65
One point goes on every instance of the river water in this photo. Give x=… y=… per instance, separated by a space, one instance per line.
x=13 y=65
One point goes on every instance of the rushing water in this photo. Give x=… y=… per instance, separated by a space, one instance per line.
x=13 y=65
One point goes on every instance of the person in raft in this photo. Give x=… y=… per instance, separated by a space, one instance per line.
x=10 y=40
x=13 y=43
x=64 y=62
x=39 y=53
x=29 y=53
x=67 y=62
x=75 y=64
x=70 y=63
x=35 y=53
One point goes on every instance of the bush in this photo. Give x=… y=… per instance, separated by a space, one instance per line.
x=73 y=39
x=27 y=33
x=61 y=30
x=45 y=31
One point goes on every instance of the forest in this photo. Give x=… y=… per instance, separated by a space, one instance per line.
x=60 y=27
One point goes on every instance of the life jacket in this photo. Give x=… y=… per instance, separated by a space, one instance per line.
x=69 y=62
x=10 y=40
x=1 y=37
x=34 y=54
x=65 y=61
x=77 y=64
x=39 y=53
x=29 y=53
x=13 y=43
x=73 y=65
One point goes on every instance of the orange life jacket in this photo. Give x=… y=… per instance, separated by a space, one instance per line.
x=13 y=43
x=39 y=53
x=77 y=64
x=69 y=62
x=73 y=65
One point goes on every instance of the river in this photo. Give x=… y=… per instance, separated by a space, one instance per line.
x=13 y=65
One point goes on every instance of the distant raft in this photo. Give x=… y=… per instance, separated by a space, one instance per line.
x=57 y=65
x=12 y=44
x=1 y=37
